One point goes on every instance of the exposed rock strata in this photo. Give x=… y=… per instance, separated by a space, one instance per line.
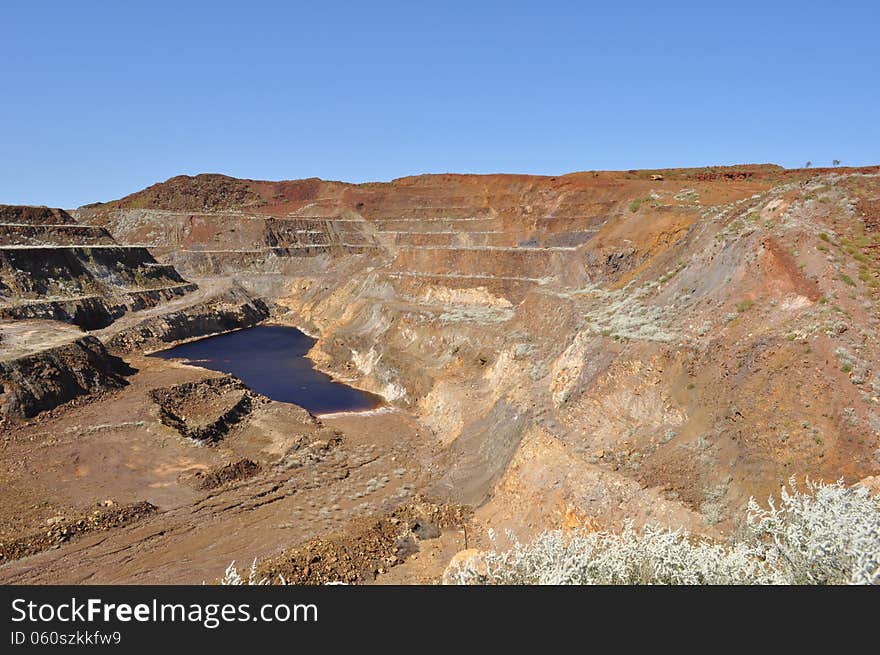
x=654 y=346
x=53 y=268
x=230 y=311
x=652 y=327
x=44 y=380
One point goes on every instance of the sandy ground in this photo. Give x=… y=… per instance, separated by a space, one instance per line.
x=117 y=449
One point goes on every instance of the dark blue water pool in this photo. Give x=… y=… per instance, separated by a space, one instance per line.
x=271 y=360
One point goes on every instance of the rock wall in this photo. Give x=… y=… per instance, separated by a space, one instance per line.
x=230 y=311
x=53 y=268
x=44 y=380
x=704 y=334
x=93 y=312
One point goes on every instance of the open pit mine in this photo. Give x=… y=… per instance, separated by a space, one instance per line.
x=501 y=352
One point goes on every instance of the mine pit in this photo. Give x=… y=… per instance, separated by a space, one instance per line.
x=271 y=360
x=553 y=347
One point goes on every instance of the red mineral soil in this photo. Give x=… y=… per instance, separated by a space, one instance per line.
x=593 y=348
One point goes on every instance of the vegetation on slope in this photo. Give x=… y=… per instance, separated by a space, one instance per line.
x=828 y=535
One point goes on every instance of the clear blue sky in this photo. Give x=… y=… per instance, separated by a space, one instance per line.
x=101 y=99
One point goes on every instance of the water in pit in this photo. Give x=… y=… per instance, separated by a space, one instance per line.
x=271 y=360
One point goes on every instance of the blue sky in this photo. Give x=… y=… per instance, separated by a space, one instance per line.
x=102 y=99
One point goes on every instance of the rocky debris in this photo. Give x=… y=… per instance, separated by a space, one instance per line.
x=305 y=452
x=366 y=550
x=221 y=475
x=195 y=193
x=44 y=380
x=28 y=215
x=19 y=234
x=206 y=410
x=869 y=208
x=60 y=531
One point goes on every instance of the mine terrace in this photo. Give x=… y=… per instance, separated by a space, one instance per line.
x=595 y=348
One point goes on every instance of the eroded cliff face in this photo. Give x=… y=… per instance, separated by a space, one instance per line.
x=231 y=309
x=60 y=280
x=43 y=380
x=659 y=344
x=53 y=268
